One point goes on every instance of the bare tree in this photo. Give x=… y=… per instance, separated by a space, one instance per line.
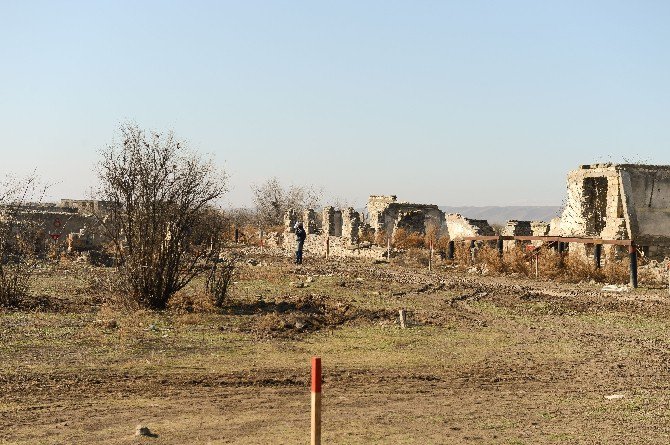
x=160 y=212
x=272 y=200
x=21 y=238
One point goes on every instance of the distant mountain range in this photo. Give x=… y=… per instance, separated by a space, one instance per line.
x=500 y=215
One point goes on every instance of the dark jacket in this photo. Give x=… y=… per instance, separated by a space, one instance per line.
x=300 y=234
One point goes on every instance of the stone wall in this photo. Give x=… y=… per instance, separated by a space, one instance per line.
x=87 y=206
x=384 y=212
x=618 y=201
x=309 y=221
x=516 y=228
x=351 y=223
x=460 y=227
x=56 y=223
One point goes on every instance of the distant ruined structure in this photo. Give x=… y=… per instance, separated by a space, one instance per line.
x=604 y=202
x=71 y=223
x=341 y=230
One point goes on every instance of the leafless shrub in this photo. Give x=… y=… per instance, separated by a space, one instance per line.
x=272 y=200
x=219 y=279
x=21 y=239
x=161 y=216
x=462 y=254
x=489 y=256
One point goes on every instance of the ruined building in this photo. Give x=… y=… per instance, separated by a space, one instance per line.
x=71 y=223
x=341 y=230
x=618 y=201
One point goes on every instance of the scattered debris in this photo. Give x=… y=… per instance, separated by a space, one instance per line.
x=142 y=430
x=614 y=397
x=615 y=288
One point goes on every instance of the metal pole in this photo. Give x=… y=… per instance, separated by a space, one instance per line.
x=237 y=235
x=499 y=246
x=450 y=250
x=597 y=254
x=388 y=249
x=633 y=265
x=327 y=246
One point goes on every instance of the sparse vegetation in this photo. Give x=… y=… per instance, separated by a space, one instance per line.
x=163 y=221
x=476 y=344
x=404 y=239
x=220 y=278
x=273 y=199
x=21 y=240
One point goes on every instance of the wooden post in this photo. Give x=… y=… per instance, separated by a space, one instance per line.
x=261 y=240
x=537 y=263
x=237 y=235
x=327 y=246
x=403 y=318
x=633 y=265
x=499 y=246
x=472 y=251
x=597 y=254
x=316 y=401
x=450 y=250
x=388 y=248
x=430 y=257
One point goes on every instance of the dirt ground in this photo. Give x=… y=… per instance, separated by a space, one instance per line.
x=490 y=360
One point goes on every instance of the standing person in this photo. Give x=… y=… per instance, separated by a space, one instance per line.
x=300 y=236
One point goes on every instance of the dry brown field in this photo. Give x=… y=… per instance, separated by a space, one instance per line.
x=488 y=360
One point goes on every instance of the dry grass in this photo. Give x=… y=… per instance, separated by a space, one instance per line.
x=403 y=239
x=498 y=368
x=568 y=268
x=462 y=255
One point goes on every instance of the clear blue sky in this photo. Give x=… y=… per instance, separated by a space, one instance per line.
x=449 y=102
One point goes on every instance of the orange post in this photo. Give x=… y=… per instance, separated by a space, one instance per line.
x=316 y=401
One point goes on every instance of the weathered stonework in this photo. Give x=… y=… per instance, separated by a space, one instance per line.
x=605 y=201
x=460 y=227
x=290 y=218
x=351 y=221
x=384 y=213
x=332 y=222
x=65 y=224
x=516 y=228
x=618 y=201
x=412 y=221
x=309 y=221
